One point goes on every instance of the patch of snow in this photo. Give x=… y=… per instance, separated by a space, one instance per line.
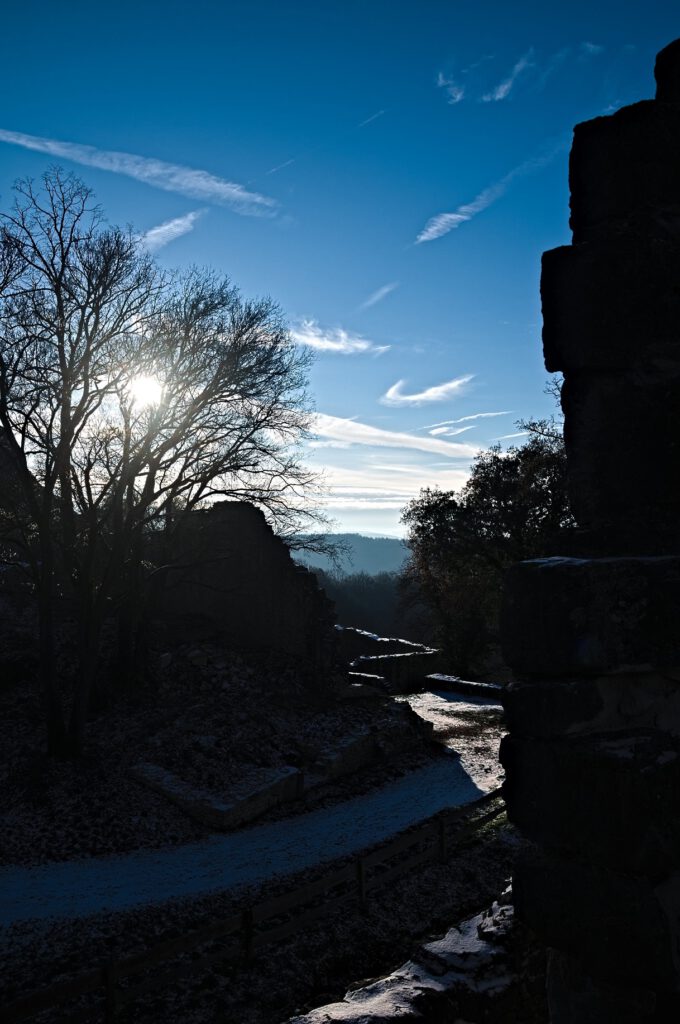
x=470 y=727
x=462 y=964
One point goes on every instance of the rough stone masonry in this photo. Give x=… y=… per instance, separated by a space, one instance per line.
x=593 y=752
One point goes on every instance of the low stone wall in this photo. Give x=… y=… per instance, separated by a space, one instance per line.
x=368 y=748
x=402 y=673
x=353 y=643
x=284 y=785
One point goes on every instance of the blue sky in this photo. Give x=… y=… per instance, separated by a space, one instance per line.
x=388 y=172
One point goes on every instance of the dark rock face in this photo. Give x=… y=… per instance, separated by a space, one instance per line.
x=667 y=73
x=608 y=328
x=593 y=756
x=618 y=927
x=573 y=996
x=623 y=439
x=623 y=174
x=588 y=615
x=239 y=577
x=557 y=790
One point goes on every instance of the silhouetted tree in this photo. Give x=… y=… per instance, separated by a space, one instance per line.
x=512 y=508
x=127 y=399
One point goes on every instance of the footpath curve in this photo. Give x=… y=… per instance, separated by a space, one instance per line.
x=251 y=856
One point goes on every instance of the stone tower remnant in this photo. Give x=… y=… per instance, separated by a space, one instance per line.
x=238 y=577
x=593 y=752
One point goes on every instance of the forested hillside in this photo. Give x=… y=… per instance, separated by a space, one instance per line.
x=360 y=554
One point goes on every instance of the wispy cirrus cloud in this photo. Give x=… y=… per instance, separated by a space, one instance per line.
x=155 y=238
x=187 y=181
x=454 y=90
x=458 y=86
x=310 y=334
x=448 y=432
x=378 y=295
x=467 y=419
x=371 y=486
x=442 y=223
x=395 y=395
x=373 y=117
x=351 y=431
x=504 y=88
x=279 y=167
x=553 y=65
x=584 y=51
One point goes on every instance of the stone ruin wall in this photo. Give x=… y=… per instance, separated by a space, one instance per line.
x=240 y=577
x=593 y=752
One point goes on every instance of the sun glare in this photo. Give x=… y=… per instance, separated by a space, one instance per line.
x=146 y=391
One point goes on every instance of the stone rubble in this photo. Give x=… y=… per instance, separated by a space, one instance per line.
x=479 y=971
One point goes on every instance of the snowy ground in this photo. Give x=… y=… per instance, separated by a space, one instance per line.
x=470 y=726
x=83 y=887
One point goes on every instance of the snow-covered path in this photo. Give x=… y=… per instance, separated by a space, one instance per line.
x=471 y=726
x=251 y=856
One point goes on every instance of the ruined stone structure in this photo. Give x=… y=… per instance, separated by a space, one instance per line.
x=593 y=755
x=235 y=574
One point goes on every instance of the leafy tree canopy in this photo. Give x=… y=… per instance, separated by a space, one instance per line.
x=513 y=507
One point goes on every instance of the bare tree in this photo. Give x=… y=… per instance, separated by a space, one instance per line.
x=74 y=289
x=127 y=400
x=222 y=416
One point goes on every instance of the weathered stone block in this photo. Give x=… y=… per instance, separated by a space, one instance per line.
x=621 y=477
x=624 y=171
x=550 y=708
x=545 y=709
x=611 y=304
x=564 y=616
x=581 y=707
x=574 y=998
x=614 y=800
x=623 y=927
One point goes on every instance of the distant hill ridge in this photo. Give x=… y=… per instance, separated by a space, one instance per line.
x=371 y=555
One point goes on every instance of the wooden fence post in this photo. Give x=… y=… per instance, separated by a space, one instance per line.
x=247 y=936
x=361 y=883
x=111 y=982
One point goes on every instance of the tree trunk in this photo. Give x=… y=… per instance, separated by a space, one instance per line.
x=88 y=663
x=54 y=717
x=132 y=626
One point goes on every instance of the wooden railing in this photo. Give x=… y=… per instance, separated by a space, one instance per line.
x=241 y=935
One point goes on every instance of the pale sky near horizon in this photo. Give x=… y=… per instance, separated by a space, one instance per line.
x=388 y=172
